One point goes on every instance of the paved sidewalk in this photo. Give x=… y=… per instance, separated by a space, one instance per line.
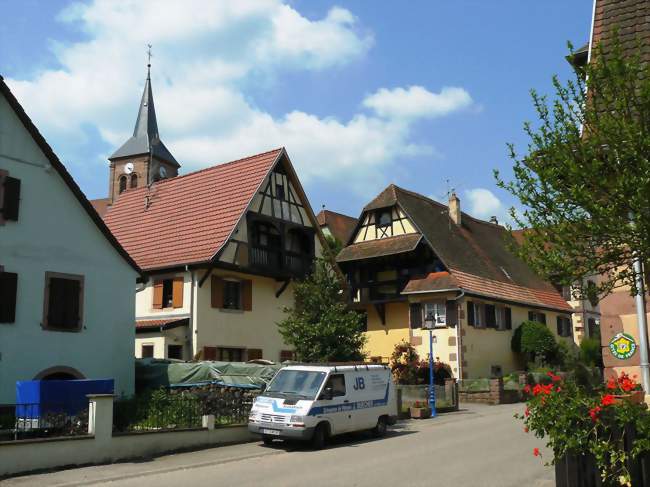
x=478 y=446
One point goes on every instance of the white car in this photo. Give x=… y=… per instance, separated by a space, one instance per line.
x=314 y=402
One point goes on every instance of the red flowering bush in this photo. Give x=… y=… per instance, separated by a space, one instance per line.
x=574 y=420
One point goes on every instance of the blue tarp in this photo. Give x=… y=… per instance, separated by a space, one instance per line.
x=36 y=397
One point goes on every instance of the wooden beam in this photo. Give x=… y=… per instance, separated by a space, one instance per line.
x=381 y=311
x=279 y=292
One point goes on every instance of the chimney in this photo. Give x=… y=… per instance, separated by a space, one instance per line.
x=454 y=208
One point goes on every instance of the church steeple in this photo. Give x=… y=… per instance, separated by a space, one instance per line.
x=144 y=154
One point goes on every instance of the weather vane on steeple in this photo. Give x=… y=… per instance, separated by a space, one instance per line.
x=149 y=55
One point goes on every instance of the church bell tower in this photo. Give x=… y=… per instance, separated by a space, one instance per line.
x=142 y=159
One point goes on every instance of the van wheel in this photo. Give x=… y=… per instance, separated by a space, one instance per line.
x=319 y=437
x=267 y=440
x=380 y=429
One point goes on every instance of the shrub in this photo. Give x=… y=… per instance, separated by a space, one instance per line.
x=407 y=368
x=535 y=341
x=591 y=352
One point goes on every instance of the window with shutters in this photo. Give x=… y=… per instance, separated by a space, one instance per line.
x=564 y=326
x=435 y=312
x=490 y=316
x=168 y=293
x=146 y=351
x=9 y=198
x=475 y=314
x=63 y=304
x=415 y=315
x=227 y=354
x=8 y=295
x=537 y=316
x=232 y=294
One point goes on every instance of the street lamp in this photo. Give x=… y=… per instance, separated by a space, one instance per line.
x=429 y=324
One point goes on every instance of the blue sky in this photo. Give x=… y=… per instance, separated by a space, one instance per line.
x=361 y=93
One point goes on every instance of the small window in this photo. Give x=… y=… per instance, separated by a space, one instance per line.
x=337 y=383
x=537 y=316
x=232 y=295
x=254 y=354
x=134 y=180
x=279 y=191
x=147 y=351
x=122 y=184
x=8 y=291
x=383 y=218
x=63 y=302
x=436 y=313
x=475 y=314
x=10 y=192
x=287 y=355
x=175 y=352
x=168 y=293
x=230 y=354
x=564 y=326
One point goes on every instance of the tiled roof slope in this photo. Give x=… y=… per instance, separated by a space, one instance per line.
x=630 y=17
x=188 y=218
x=101 y=205
x=475 y=248
x=340 y=225
x=153 y=325
x=379 y=248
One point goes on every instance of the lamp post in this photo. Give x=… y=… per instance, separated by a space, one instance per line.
x=429 y=325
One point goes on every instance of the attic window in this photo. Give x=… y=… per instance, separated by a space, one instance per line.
x=383 y=218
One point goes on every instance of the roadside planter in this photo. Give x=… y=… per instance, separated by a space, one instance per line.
x=420 y=411
x=598 y=437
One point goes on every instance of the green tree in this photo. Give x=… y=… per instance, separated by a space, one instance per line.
x=320 y=326
x=535 y=342
x=584 y=181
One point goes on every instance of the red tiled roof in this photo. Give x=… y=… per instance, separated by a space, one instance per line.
x=439 y=281
x=339 y=225
x=156 y=324
x=189 y=217
x=101 y=205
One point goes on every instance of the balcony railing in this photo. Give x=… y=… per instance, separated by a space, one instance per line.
x=266 y=257
x=290 y=263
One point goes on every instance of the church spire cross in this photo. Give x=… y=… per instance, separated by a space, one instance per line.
x=149 y=56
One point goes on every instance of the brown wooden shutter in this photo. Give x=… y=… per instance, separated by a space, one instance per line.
x=158 y=294
x=216 y=289
x=451 y=313
x=74 y=302
x=490 y=316
x=470 y=313
x=177 y=292
x=508 y=319
x=8 y=290
x=254 y=353
x=209 y=353
x=415 y=314
x=247 y=295
x=11 y=198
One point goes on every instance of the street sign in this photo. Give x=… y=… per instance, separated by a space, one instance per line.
x=622 y=346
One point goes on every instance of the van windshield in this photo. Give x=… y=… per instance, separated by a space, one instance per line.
x=302 y=383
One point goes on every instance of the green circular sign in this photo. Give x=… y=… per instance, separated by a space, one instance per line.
x=622 y=346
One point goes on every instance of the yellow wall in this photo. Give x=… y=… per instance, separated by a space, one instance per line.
x=382 y=338
x=243 y=329
x=480 y=348
x=175 y=336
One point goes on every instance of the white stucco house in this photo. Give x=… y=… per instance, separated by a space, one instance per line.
x=66 y=285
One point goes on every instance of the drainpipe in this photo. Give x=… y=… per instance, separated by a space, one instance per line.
x=190 y=340
x=458 y=339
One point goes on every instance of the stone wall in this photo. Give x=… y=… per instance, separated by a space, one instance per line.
x=495 y=395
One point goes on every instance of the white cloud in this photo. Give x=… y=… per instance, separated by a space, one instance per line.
x=206 y=54
x=484 y=204
x=417 y=101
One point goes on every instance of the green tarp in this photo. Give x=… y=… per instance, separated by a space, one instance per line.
x=154 y=373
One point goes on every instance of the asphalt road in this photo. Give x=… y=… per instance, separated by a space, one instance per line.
x=477 y=446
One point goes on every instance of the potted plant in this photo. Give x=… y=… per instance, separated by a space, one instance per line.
x=420 y=410
x=623 y=388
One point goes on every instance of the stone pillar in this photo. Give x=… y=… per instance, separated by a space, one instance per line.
x=208 y=421
x=496 y=391
x=451 y=391
x=100 y=416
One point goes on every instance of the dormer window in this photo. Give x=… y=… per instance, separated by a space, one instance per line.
x=383 y=218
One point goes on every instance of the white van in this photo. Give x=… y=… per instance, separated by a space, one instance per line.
x=313 y=402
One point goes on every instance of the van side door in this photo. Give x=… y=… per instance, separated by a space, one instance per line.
x=338 y=409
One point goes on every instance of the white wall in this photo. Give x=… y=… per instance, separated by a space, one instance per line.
x=54 y=233
x=160 y=341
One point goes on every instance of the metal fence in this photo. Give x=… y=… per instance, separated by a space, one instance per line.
x=164 y=410
x=25 y=421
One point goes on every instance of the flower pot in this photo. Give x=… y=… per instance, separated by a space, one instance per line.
x=634 y=397
x=420 y=413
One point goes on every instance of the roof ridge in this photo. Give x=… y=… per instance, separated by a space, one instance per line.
x=325 y=210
